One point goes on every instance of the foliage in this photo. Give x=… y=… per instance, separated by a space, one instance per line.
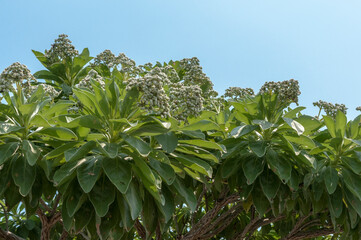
x=120 y=153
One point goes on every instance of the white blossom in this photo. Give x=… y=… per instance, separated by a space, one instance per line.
x=61 y=49
x=92 y=75
x=288 y=90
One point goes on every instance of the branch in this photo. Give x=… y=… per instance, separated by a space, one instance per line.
x=140 y=230
x=297 y=226
x=56 y=203
x=45 y=206
x=6 y=216
x=6 y=235
x=312 y=234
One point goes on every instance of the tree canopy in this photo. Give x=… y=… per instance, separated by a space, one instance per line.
x=103 y=148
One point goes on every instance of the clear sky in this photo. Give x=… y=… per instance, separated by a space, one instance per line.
x=239 y=42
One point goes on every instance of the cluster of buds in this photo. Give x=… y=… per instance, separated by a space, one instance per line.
x=16 y=73
x=287 y=91
x=358 y=108
x=92 y=75
x=329 y=108
x=237 y=93
x=185 y=101
x=153 y=98
x=111 y=61
x=194 y=75
x=29 y=88
x=61 y=49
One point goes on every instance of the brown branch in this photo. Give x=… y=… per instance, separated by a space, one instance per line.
x=297 y=226
x=56 y=203
x=140 y=230
x=312 y=234
x=210 y=215
x=158 y=233
x=6 y=235
x=264 y=222
x=45 y=206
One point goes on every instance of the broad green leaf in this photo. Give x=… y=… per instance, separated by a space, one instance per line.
x=194 y=164
x=242 y=130
x=354 y=201
x=292 y=113
x=45 y=74
x=109 y=149
x=231 y=166
x=168 y=208
x=186 y=193
x=295 y=125
x=260 y=201
x=270 y=184
x=88 y=173
x=130 y=99
x=66 y=171
x=354 y=127
x=87 y=121
x=149 y=215
x=309 y=123
x=142 y=147
x=30 y=151
x=127 y=221
x=168 y=141
x=163 y=169
x=335 y=203
x=101 y=196
x=279 y=165
x=330 y=124
x=118 y=172
x=60 y=150
x=60 y=107
x=194 y=134
x=149 y=129
x=80 y=152
x=252 y=167
x=58 y=133
x=340 y=125
x=264 y=124
x=330 y=177
x=203 y=125
x=352 y=182
x=301 y=140
x=202 y=144
x=353 y=163
x=134 y=200
x=75 y=199
x=6 y=128
x=83 y=217
x=197 y=152
x=7 y=150
x=67 y=220
x=23 y=174
x=258 y=147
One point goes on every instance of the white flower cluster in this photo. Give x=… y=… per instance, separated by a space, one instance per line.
x=92 y=75
x=29 y=89
x=171 y=73
x=185 y=101
x=194 y=75
x=15 y=73
x=329 y=108
x=151 y=86
x=238 y=93
x=61 y=49
x=288 y=90
x=110 y=60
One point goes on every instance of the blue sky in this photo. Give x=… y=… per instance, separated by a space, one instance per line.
x=239 y=43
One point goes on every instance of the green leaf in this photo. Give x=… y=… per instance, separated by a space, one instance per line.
x=335 y=203
x=242 y=130
x=7 y=150
x=352 y=182
x=88 y=173
x=203 y=125
x=264 y=124
x=203 y=144
x=231 y=166
x=109 y=149
x=279 y=165
x=60 y=150
x=127 y=221
x=58 y=133
x=270 y=184
x=47 y=75
x=301 y=140
x=101 y=196
x=295 y=125
x=30 y=151
x=252 y=167
x=75 y=199
x=163 y=169
x=186 y=193
x=87 y=121
x=354 y=127
x=260 y=201
x=194 y=134
x=142 y=147
x=130 y=99
x=6 y=128
x=23 y=174
x=292 y=113
x=341 y=122
x=353 y=163
x=330 y=124
x=330 y=177
x=118 y=172
x=66 y=171
x=197 y=152
x=134 y=200
x=67 y=220
x=80 y=152
x=168 y=141
x=194 y=164
x=258 y=147
x=354 y=201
